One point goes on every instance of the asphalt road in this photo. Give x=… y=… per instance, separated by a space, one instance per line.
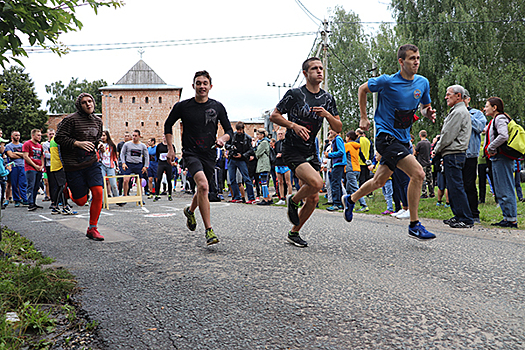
x=153 y=284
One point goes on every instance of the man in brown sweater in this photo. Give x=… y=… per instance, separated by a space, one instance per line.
x=79 y=137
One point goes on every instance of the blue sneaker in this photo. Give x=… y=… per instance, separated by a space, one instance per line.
x=348 y=207
x=333 y=208
x=420 y=232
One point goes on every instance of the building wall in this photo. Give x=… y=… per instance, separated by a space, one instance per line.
x=127 y=110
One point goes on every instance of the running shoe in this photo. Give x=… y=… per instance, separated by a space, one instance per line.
x=169 y=197
x=237 y=201
x=156 y=198
x=55 y=211
x=251 y=201
x=348 y=207
x=501 y=223
x=460 y=224
x=92 y=233
x=151 y=196
x=6 y=203
x=24 y=204
x=333 y=208
x=404 y=215
x=295 y=239
x=505 y=223
x=39 y=206
x=363 y=209
x=31 y=207
x=211 y=237
x=387 y=212
x=281 y=202
x=191 y=222
x=293 y=210
x=399 y=212
x=420 y=232
x=17 y=204
x=68 y=211
x=452 y=220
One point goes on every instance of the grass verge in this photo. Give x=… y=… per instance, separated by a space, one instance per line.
x=489 y=212
x=36 y=307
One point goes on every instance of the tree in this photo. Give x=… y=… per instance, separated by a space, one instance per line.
x=477 y=44
x=63 y=100
x=41 y=23
x=349 y=60
x=21 y=102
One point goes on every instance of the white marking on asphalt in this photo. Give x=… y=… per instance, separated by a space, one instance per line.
x=170 y=208
x=145 y=209
x=43 y=217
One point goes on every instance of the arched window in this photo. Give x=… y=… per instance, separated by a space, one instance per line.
x=126 y=124
x=120 y=99
x=160 y=99
x=146 y=99
x=133 y=100
x=141 y=123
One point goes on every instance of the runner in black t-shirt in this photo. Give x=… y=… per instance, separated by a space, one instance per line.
x=306 y=108
x=200 y=117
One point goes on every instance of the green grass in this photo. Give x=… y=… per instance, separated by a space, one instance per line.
x=31 y=290
x=489 y=213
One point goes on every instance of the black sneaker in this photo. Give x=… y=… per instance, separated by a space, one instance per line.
x=460 y=224
x=191 y=222
x=450 y=221
x=295 y=239
x=39 y=206
x=31 y=207
x=293 y=211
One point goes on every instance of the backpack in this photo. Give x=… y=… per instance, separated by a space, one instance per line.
x=514 y=147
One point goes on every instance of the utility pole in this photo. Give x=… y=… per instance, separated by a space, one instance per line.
x=324 y=36
x=374 y=100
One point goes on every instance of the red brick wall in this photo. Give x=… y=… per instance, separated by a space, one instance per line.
x=121 y=114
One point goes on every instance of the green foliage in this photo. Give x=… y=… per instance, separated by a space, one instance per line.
x=21 y=112
x=477 y=44
x=64 y=97
x=42 y=22
x=34 y=318
x=32 y=292
x=348 y=64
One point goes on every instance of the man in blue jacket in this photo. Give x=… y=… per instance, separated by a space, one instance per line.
x=338 y=159
x=471 y=163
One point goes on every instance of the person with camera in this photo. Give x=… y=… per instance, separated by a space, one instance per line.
x=240 y=151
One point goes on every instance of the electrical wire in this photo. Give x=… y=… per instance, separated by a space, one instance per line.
x=344 y=65
x=164 y=43
x=308 y=13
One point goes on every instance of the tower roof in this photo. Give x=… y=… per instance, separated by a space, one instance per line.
x=140 y=74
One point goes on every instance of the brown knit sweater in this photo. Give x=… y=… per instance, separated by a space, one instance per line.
x=78 y=127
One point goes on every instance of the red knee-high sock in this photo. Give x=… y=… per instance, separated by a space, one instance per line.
x=80 y=201
x=96 y=205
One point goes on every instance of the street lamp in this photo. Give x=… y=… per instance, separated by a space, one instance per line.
x=278 y=87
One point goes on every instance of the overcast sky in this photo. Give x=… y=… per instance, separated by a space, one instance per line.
x=240 y=70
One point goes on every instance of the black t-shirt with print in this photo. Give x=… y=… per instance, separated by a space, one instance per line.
x=297 y=104
x=199 y=125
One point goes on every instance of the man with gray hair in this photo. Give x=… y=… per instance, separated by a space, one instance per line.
x=455 y=136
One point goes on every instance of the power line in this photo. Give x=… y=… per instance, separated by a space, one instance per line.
x=431 y=22
x=163 y=43
x=308 y=13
